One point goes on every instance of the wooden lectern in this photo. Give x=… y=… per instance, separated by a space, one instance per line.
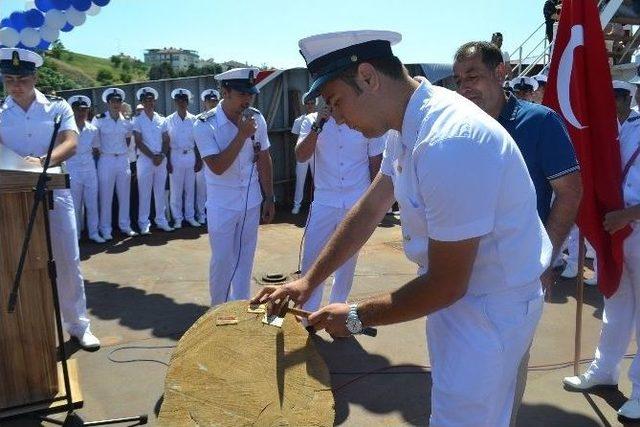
x=28 y=370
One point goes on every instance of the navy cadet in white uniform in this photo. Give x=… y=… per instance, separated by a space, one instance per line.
x=26 y=119
x=152 y=162
x=345 y=162
x=622 y=311
x=184 y=159
x=82 y=169
x=469 y=220
x=302 y=168
x=234 y=144
x=210 y=98
x=113 y=165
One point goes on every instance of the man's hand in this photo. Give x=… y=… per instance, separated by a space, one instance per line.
x=157 y=159
x=35 y=161
x=247 y=127
x=198 y=166
x=323 y=114
x=548 y=279
x=333 y=319
x=616 y=220
x=275 y=297
x=268 y=211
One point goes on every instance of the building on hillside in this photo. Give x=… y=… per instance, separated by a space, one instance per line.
x=178 y=59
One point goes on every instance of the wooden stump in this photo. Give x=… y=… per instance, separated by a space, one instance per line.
x=246 y=374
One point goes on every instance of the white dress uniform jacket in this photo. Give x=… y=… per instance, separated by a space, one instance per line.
x=341 y=163
x=28 y=133
x=302 y=168
x=113 y=170
x=458 y=175
x=233 y=205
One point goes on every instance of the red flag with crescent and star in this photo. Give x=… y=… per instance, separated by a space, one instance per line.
x=579 y=88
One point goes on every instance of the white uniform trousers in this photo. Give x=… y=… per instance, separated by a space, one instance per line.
x=475 y=347
x=84 y=190
x=322 y=223
x=114 y=171
x=572 y=247
x=231 y=245
x=183 y=184
x=621 y=316
x=201 y=196
x=301 y=176
x=66 y=253
x=151 y=177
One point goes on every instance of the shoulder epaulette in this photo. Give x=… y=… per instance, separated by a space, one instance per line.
x=54 y=98
x=255 y=110
x=207 y=115
x=633 y=119
x=101 y=116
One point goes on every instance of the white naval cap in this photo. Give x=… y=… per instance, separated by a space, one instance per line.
x=180 y=92
x=541 y=79
x=18 y=61
x=146 y=92
x=80 y=101
x=525 y=83
x=209 y=93
x=112 y=92
x=240 y=79
x=329 y=54
x=622 y=85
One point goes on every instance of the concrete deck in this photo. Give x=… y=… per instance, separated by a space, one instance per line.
x=143 y=293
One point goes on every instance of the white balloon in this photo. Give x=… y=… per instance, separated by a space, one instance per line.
x=30 y=37
x=75 y=17
x=55 y=19
x=9 y=37
x=30 y=4
x=93 y=10
x=49 y=34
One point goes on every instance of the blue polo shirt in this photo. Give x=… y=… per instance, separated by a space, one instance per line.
x=544 y=143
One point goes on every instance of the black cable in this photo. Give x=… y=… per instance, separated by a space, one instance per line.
x=306 y=224
x=134 y=347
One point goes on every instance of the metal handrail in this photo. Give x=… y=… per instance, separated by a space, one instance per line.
x=528 y=38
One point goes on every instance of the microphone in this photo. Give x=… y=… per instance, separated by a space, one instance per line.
x=247 y=114
x=322 y=122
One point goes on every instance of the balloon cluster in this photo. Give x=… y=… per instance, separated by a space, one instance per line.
x=41 y=22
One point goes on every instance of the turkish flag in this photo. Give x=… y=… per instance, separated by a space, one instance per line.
x=579 y=88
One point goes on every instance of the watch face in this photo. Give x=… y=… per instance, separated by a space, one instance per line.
x=354 y=325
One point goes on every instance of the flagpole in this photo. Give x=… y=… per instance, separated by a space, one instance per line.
x=579 y=301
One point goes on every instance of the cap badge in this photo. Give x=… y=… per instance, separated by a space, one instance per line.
x=15 y=59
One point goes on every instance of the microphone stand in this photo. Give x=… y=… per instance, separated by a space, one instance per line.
x=43 y=196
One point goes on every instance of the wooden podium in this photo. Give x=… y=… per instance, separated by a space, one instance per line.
x=28 y=369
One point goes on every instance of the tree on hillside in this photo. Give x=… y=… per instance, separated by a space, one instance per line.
x=52 y=80
x=104 y=76
x=125 y=77
x=57 y=49
x=116 y=60
x=162 y=71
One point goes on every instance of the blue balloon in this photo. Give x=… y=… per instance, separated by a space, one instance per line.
x=44 y=5
x=35 y=18
x=61 y=4
x=101 y=3
x=68 y=27
x=18 y=20
x=81 y=5
x=43 y=45
x=5 y=22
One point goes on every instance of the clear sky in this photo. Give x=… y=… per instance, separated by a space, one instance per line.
x=267 y=31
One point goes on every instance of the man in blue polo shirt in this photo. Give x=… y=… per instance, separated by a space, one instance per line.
x=543 y=140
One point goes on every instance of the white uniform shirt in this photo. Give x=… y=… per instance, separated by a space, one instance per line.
x=629 y=142
x=180 y=131
x=112 y=134
x=151 y=130
x=28 y=133
x=458 y=175
x=83 y=159
x=214 y=132
x=297 y=124
x=341 y=162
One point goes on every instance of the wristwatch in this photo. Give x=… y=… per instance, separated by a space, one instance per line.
x=315 y=128
x=354 y=324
